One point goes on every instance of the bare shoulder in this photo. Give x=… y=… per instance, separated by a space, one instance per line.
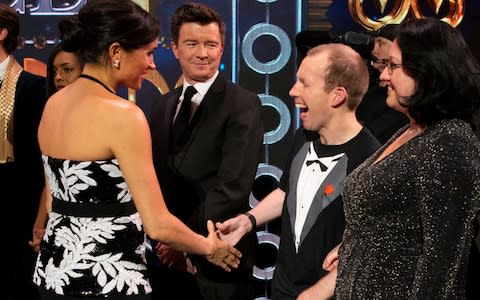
x=125 y=119
x=127 y=133
x=124 y=111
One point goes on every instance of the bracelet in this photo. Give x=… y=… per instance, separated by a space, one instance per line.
x=252 y=219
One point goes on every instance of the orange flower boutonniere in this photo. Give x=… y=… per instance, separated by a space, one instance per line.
x=329 y=189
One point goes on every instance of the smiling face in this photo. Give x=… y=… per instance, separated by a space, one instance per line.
x=309 y=94
x=199 y=50
x=66 y=68
x=400 y=84
x=135 y=64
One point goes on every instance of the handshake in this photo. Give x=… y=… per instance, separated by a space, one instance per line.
x=224 y=238
x=221 y=244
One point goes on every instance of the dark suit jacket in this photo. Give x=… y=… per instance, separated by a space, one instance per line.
x=24 y=178
x=21 y=183
x=212 y=174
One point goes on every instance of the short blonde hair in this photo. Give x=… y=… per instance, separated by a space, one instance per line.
x=346 y=69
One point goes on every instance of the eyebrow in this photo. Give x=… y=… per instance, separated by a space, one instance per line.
x=394 y=58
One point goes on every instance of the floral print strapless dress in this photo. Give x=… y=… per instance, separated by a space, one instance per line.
x=94 y=244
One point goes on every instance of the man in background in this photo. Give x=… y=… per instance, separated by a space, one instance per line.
x=373 y=112
x=206 y=136
x=22 y=98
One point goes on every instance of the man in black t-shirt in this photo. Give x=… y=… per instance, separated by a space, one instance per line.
x=331 y=82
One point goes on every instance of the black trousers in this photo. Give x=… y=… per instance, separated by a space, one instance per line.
x=20 y=200
x=170 y=284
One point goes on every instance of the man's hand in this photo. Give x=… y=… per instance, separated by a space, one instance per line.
x=322 y=289
x=173 y=259
x=232 y=230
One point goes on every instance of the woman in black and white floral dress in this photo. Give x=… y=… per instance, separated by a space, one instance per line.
x=96 y=152
x=94 y=234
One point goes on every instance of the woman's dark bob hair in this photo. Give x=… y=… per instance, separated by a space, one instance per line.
x=446 y=74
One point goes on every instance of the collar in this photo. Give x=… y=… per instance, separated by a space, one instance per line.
x=3 y=67
x=201 y=87
x=325 y=158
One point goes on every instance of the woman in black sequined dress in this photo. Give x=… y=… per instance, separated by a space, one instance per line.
x=411 y=208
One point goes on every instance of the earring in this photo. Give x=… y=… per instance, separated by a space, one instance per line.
x=116 y=63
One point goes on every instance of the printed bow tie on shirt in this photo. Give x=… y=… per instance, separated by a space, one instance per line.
x=322 y=166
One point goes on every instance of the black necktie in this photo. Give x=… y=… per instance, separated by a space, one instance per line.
x=322 y=166
x=183 y=116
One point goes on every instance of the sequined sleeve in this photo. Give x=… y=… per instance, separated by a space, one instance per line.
x=448 y=185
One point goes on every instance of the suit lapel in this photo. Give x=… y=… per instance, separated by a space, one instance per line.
x=328 y=191
x=167 y=120
x=214 y=95
x=210 y=101
x=171 y=107
x=295 y=169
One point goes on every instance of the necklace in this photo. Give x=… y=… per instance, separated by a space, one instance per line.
x=406 y=136
x=409 y=134
x=414 y=131
x=97 y=81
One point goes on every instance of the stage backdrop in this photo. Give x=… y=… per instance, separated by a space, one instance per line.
x=260 y=54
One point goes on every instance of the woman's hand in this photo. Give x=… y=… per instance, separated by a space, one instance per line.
x=37 y=236
x=331 y=260
x=221 y=254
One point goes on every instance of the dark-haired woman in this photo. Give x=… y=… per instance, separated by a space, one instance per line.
x=62 y=69
x=410 y=209
x=104 y=195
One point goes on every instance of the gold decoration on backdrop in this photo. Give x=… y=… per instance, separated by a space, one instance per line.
x=179 y=81
x=143 y=3
x=456 y=10
x=382 y=4
x=396 y=15
x=400 y=9
x=156 y=79
x=435 y=5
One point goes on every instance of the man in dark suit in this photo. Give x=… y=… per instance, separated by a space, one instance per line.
x=22 y=97
x=206 y=149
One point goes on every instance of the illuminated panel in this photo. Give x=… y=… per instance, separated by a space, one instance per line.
x=273 y=136
x=265 y=170
x=45 y=7
x=274 y=65
x=266 y=65
x=266 y=238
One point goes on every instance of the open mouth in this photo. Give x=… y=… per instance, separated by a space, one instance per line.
x=302 y=107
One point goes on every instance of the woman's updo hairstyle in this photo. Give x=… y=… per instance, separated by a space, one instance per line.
x=102 y=22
